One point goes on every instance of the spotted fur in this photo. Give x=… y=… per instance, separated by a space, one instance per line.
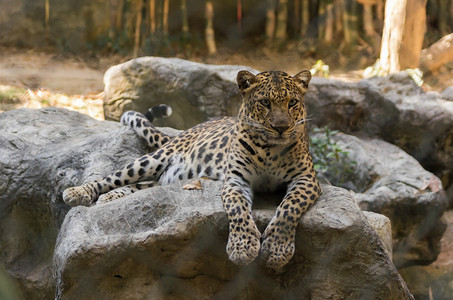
x=265 y=148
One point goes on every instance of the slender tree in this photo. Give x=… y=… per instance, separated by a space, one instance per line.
x=165 y=11
x=368 y=25
x=402 y=37
x=330 y=21
x=113 y=18
x=138 y=25
x=282 y=21
x=185 y=21
x=239 y=14
x=209 y=31
x=270 y=20
x=321 y=18
x=47 y=13
x=444 y=16
x=152 y=16
x=350 y=22
x=304 y=16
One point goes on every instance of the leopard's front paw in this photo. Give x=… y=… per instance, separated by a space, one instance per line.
x=278 y=246
x=79 y=195
x=110 y=196
x=243 y=245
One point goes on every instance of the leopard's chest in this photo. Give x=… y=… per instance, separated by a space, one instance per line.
x=267 y=182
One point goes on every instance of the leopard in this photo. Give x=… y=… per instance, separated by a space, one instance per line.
x=263 y=149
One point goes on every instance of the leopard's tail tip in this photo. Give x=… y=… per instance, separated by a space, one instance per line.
x=158 y=111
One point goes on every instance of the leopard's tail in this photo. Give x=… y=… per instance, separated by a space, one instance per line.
x=158 y=111
x=142 y=126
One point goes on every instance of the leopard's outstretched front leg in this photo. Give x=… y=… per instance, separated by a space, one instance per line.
x=146 y=168
x=278 y=238
x=244 y=237
x=124 y=191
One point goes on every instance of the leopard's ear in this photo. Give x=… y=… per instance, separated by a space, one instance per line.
x=245 y=79
x=303 y=78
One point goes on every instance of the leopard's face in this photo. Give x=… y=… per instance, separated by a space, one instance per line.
x=273 y=104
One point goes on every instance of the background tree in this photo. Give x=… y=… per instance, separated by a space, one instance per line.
x=402 y=37
x=270 y=21
x=437 y=55
x=209 y=31
x=138 y=26
x=350 y=22
x=282 y=20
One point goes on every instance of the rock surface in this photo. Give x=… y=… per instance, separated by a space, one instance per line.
x=196 y=92
x=394 y=109
x=169 y=243
x=41 y=153
x=44 y=151
x=388 y=181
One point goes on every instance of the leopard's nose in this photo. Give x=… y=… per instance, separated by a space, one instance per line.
x=280 y=128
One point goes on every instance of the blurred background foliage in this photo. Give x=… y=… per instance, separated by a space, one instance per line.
x=339 y=31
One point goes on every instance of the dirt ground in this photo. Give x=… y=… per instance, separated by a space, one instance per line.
x=29 y=78
x=83 y=75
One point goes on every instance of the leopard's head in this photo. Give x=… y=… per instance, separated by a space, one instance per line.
x=273 y=104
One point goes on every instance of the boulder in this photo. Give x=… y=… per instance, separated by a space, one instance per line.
x=387 y=180
x=391 y=108
x=41 y=153
x=169 y=243
x=44 y=151
x=196 y=92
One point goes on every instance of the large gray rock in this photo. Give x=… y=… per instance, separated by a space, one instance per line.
x=394 y=109
x=388 y=181
x=169 y=243
x=44 y=151
x=195 y=91
x=41 y=153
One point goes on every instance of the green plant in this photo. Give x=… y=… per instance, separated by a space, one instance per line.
x=9 y=94
x=331 y=162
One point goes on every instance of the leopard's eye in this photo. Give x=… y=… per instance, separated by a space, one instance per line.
x=292 y=102
x=265 y=102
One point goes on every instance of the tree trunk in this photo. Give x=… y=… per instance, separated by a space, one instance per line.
x=330 y=21
x=339 y=7
x=47 y=14
x=152 y=16
x=368 y=19
x=239 y=15
x=165 y=11
x=282 y=20
x=438 y=54
x=402 y=38
x=321 y=19
x=209 y=32
x=304 y=16
x=380 y=11
x=185 y=21
x=138 y=25
x=270 y=20
x=350 y=22
x=443 y=16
